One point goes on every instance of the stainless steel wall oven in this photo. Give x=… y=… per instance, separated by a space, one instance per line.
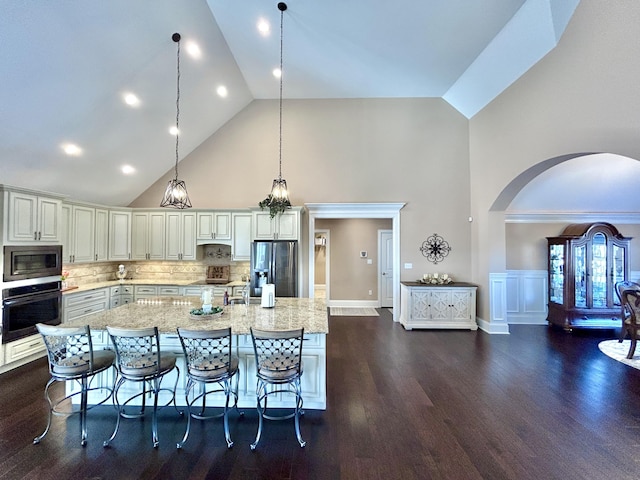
x=25 y=306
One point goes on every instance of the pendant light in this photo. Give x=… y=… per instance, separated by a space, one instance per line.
x=278 y=200
x=176 y=195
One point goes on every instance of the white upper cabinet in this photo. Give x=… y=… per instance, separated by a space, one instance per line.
x=285 y=226
x=180 y=236
x=241 y=245
x=102 y=235
x=119 y=235
x=148 y=235
x=33 y=218
x=82 y=248
x=214 y=225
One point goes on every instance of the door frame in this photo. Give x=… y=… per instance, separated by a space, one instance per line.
x=327 y=261
x=381 y=249
x=358 y=210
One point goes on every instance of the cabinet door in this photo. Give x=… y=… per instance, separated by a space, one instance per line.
x=101 y=235
x=188 y=236
x=440 y=304
x=83 y=234
x=65 y=234
x=222 y=225
x=23 y=211
x=461 y=305
x=264 y=226
x=49 y=219
x=205 y=225
x=119 y=235
x=287 y=226
x=420 y=305
x=155 y=237
x=139 y=235
x=241 y=247
x=173 y=236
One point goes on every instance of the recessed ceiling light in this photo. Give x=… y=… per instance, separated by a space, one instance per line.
x=193 y=49
x=131 y=99
x=277 y=72
x=128 y=169
x=222 y=91
x=173 y=130
x=263 y=27
x=71 y=149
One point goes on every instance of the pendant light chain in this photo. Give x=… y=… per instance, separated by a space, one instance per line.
x=177 y=108
x=281 y=75
x=175 y=195
x=278 y=199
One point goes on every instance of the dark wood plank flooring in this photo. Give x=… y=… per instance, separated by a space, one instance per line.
x=536 y=404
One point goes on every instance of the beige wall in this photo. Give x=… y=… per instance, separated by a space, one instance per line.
x=582 y=97
x=355 y=150
x=351 y=277
x=527 y=244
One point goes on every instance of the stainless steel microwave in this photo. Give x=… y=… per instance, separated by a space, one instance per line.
x=31 y=261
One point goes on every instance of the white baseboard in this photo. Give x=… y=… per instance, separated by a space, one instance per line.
x=497 y=328
x=353 y=303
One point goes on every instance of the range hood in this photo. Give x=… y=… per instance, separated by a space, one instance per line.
x=206 y=241
x=218 y=253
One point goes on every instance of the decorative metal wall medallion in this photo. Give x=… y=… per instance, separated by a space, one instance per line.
x=435 y=248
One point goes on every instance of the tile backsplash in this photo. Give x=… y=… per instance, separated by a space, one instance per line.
x=183 y=271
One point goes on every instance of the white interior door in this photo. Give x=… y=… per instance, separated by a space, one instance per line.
x=385 y=269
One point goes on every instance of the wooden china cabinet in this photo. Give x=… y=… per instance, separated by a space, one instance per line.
x=585 y=262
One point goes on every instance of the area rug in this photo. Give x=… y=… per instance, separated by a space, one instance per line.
x=618 y=351
x=352 y=312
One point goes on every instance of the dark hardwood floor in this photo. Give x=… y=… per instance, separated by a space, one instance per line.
x=536 y=404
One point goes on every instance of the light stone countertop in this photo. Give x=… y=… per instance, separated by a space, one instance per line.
x=168 y=313
x=142 y=281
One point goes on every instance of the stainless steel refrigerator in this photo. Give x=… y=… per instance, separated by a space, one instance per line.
x=275 y=261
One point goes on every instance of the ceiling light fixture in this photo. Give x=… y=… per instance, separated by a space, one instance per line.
x=278 y=200
x=176 y=195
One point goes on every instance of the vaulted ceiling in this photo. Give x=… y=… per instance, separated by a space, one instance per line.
x=68 y=65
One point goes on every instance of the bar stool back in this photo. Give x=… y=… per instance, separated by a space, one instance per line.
x=71 y=357
x=278 y=368
x=209 y=358
x=139 y=360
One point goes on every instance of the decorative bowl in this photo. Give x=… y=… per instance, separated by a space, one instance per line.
x=199 y=314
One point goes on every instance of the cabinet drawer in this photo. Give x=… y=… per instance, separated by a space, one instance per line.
x=77 y=299
x=23 y=348
x=87 y=309
x=192 y=291
x=168 y=291
x=145 y=291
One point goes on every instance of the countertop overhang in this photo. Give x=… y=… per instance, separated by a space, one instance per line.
x=169 y=313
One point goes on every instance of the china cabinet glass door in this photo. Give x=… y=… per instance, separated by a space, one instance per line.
x=580 y=275
x=556 y=273
x=599 y=271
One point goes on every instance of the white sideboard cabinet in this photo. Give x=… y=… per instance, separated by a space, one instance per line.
x=438 y=306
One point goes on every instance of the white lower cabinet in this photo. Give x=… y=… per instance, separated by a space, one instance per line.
x=313 y=382
x=77 y=305
x=438 y=306
x=23 y=348
x=121 y=295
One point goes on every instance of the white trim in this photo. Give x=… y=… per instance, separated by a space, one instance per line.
x=572 y=217
x=353 y=303
x=498 y=305
x=527 y=297
x=359 y=210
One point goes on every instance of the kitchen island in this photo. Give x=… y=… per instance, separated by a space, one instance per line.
x=168 y=313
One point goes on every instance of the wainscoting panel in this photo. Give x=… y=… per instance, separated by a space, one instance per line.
x=527 y=297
